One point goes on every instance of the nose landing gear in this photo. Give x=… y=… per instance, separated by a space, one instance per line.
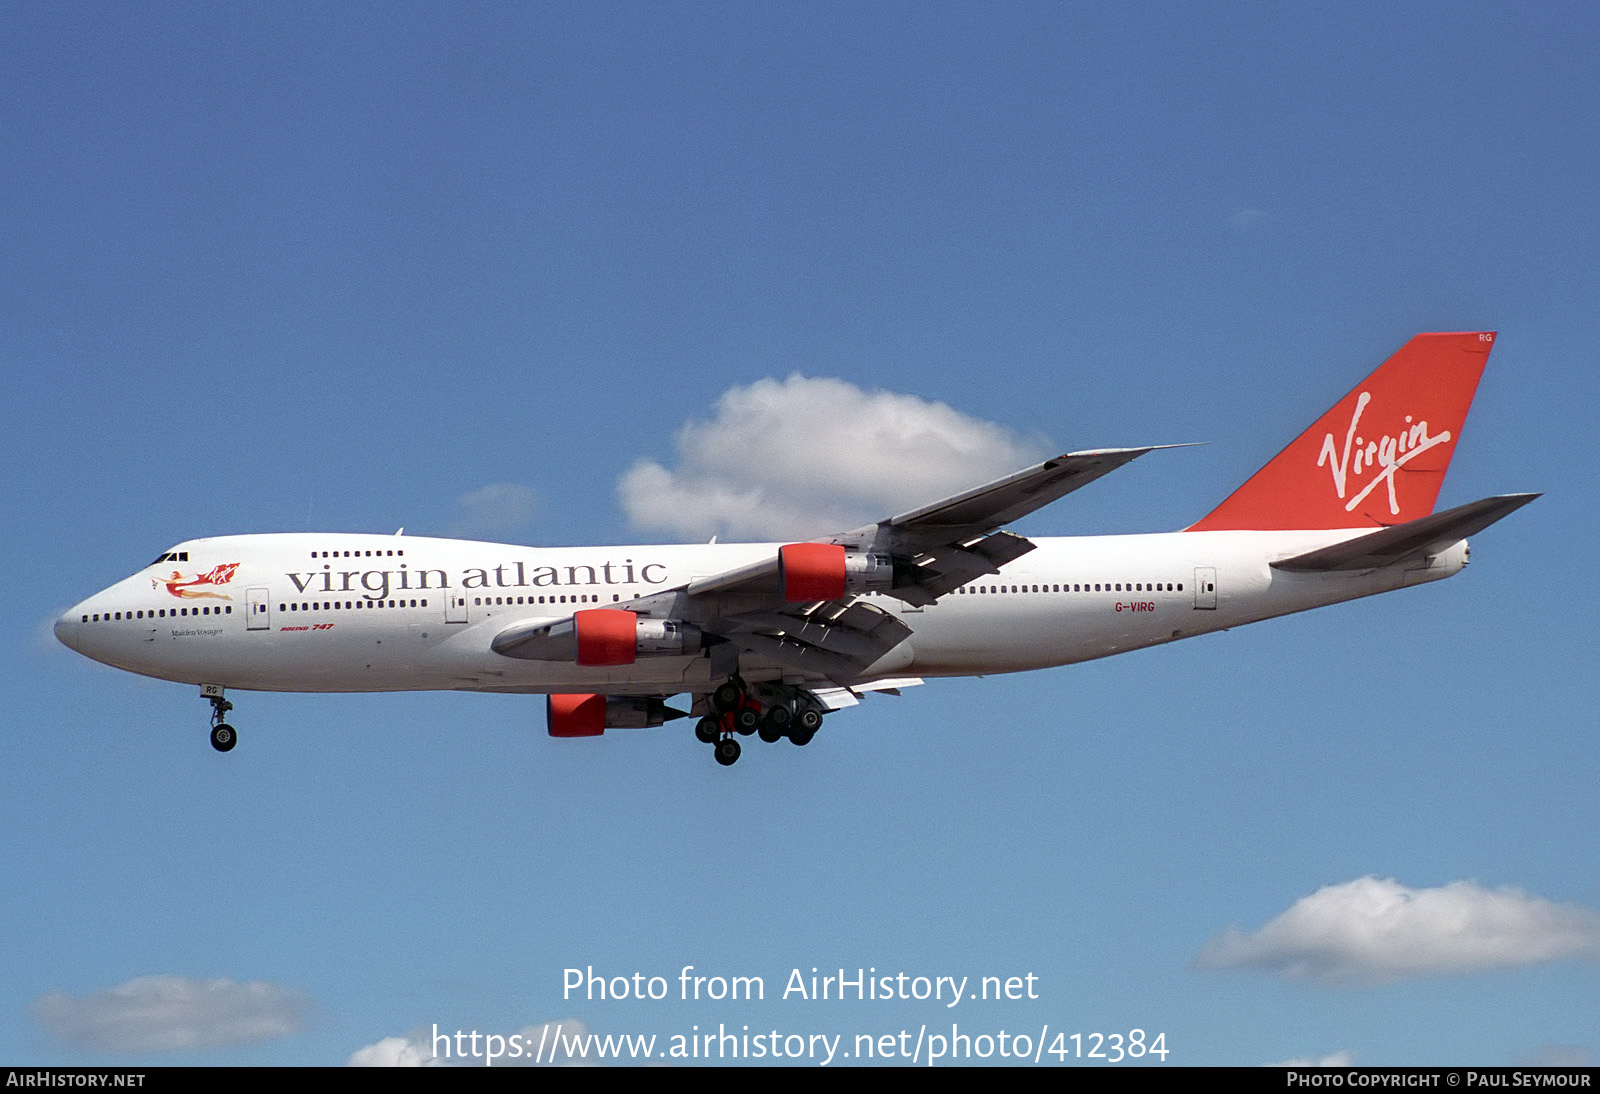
x=223 y=736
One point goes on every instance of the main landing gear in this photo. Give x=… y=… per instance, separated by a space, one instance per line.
x=223 y=736
x=780 y=712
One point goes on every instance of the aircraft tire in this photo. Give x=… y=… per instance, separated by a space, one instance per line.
x=223 y=737
x=728 y=752
x=746 y=721
x=802 y=737
x=808 y=721
x=726 y=697
x=707 y=730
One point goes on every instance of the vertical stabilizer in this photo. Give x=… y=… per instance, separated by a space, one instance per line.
x=1379 y=456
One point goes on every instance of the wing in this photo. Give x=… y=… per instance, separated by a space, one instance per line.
x=802 y=610
x=954 y=541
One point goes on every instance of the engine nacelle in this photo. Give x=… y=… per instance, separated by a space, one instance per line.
x=600 y=637
x=666 y=637
x=592 y=715
x=606 y=636
x=826 y=571
x=575 y=715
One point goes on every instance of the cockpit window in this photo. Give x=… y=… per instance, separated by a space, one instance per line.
x=172 y=556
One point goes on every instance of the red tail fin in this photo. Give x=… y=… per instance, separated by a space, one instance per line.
x=1379 y=456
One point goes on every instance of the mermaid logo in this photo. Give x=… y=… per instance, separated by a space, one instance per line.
x=187 y=590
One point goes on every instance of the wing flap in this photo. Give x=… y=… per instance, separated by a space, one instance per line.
x=859 y=631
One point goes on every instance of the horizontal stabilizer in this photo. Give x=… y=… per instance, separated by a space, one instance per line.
x=1414 y=539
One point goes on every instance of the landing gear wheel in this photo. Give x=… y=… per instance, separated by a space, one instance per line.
x=707 y=730
x=776 y=723
x=223 y=736
x=727 y=696
x=808 y=721
x=727 y=752
x=746 y=721
x=801 y=736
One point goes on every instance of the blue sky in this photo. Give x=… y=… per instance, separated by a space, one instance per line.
x=462 y=267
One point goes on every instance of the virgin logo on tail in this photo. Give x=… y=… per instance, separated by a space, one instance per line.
x=1433 y=373
x=1389 y=453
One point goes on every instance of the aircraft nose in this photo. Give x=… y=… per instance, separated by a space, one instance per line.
x=69 y=628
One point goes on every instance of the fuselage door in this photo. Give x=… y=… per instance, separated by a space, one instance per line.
x=455 y=607
x=258 y=609
x=1205 y=587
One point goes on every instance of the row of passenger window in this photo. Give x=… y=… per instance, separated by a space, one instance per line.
x=356 y=554
x=581 y=598
x=156 y=613
x=1082 y=587
x=348 y=605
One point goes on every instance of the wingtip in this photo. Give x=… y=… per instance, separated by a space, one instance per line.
x=1139 y=450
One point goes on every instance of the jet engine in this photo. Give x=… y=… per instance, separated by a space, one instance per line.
x=826 y=571
x=600 y=636
x=592 y=715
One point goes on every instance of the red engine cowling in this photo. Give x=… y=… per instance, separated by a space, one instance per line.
x=826 y=571
x=811 y=571
x=575 y=715
x=606 y=636
x=592 y=715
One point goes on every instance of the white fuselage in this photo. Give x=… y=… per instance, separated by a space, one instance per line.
x=349 y=612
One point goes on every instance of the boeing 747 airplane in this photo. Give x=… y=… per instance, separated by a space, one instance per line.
x=767 y=638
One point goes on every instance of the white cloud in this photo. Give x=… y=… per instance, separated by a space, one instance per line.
x=1333 y=1059
x=1372 y=931
x=498 y=507
x=395 y=1052
x=170 y=1013
x=563 y=1042
x=804 y=457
